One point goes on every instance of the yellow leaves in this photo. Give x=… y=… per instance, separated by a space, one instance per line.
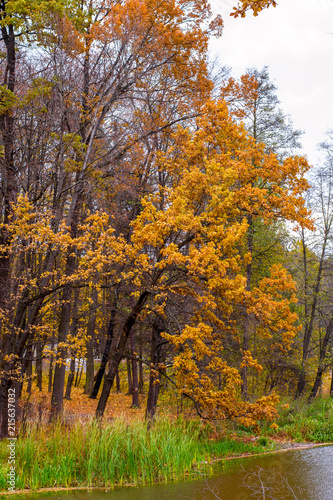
x=225 y=403
x=69 y=38
x=216 y=26
x=77 y=343
x=248 y=360
x=61 y=29
x=280 y=281
x=10 y=358
x=186 y=369
x=157 y=29
x=197 y=337
x=95 y=248
x=264 y=408
x=7 y=100
x=186 y=244
x=270 y=301
x=255 y=5
x=242 y=95
x=221 y=177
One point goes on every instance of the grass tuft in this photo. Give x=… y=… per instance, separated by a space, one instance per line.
x=90 y=454
x=306 y=422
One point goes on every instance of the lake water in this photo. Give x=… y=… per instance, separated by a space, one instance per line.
x=299 y=474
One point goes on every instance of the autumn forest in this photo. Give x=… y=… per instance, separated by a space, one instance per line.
x=159 y=229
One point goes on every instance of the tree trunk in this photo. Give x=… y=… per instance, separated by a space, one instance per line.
x=70 y=378
x=107 y=348
x=308 y=328
x=141 y=382
x=65 y=314
x=321 y=365
x=60 y=365
x=5 y=386
x=79 y=373
x=9 y=189
x=90 y=368
x=29 y=375
x=9 y=175
x=129 y=377
x=118 y=382
x=246 y=345
x=15 y=345
x=39 y=364
x=73 y=332
x=90 y=346
x=50 y=372
x=156 y=357
x=71 y=261
x=247 y=319
x=119 y=352
x=135 y=388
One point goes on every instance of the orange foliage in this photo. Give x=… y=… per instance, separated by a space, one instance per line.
x=220 y=176
x=255 y=5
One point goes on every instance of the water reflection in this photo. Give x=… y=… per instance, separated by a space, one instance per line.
x=294 y=475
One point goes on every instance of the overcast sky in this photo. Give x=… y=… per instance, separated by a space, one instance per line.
x=295 y=40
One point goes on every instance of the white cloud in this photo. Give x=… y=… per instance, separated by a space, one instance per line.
x=296 y=41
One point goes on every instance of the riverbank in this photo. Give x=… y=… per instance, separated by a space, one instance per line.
x=281 y=447
x=85 y=454
x=285 y=447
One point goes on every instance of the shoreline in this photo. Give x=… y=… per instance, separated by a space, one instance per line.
x=290 y=447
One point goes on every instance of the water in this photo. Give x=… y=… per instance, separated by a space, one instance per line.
x=300 y=474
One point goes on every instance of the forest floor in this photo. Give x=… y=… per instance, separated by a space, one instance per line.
x=298 y=423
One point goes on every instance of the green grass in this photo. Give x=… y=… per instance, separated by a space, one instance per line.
x=108 y=455
x=87 y=454
x=93 y=455
x=304 y=422
x=230 y=447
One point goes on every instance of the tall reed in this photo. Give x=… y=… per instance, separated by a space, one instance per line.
x=90 y=454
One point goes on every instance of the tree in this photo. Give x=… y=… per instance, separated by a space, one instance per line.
x=79 y=117
x=128 y=198
x=254 y=102
x=314 y=290
x=188 y=241
x=14 y=19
